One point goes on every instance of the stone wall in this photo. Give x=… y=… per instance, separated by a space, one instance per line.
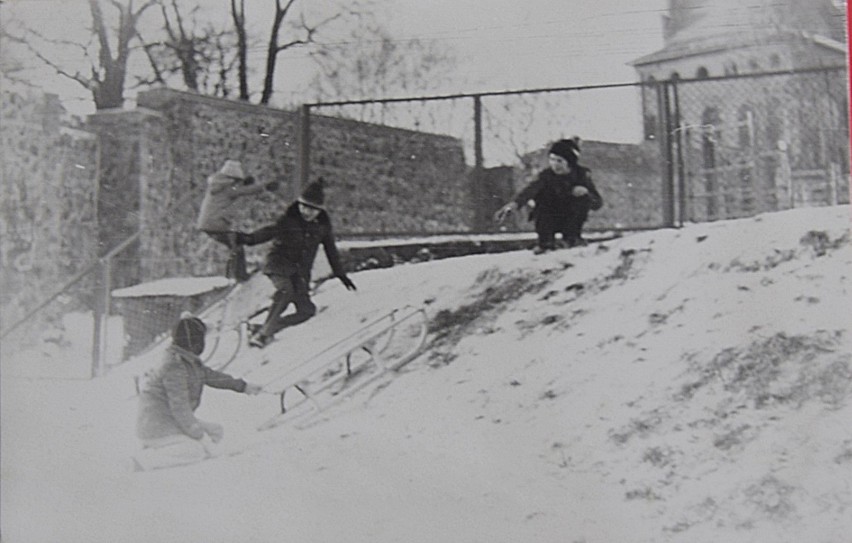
x=48 y=215
x=379 y=179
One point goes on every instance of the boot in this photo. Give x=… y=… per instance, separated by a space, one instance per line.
x=236 y=267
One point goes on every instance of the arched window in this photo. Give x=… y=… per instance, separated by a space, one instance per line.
x=731 y=68
x=745 y=127
x=710 y=121
x=675 y=76
x=702 y=73
x=775 y=60
x=774 y=123
x=649 y=100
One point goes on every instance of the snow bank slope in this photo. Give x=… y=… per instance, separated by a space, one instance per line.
x=689 y=385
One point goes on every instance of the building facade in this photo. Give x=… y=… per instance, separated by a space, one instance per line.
x=752 y=97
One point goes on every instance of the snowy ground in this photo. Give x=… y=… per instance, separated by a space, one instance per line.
x=685 y=385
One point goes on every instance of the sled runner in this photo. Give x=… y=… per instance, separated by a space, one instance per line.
x=338 y=371
x=228 y=320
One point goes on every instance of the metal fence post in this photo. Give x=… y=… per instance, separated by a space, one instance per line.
x=106 y=299
x=665 y=132
x=669 y=180
x=303 y=164
x=681 y=169
x=97 y=322
x=477 y=192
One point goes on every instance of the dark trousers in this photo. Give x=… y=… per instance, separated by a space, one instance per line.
x=569 y=224
x=289 y=289
x=236 y=266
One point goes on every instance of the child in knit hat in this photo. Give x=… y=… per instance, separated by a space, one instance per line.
x=561 y=197
x=171 y=434
x=296 y=237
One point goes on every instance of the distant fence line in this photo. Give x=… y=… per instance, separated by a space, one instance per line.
x=706 y=149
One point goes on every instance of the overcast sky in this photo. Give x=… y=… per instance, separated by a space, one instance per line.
x=500 y=44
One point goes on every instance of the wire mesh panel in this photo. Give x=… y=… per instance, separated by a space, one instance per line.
x=760 y=143
x=150 y=310
x=446 y=164
x=518 y=129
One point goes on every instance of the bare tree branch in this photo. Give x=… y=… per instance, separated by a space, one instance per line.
x=274 y=48
x=238 y=14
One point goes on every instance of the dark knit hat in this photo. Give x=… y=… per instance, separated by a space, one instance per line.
x=567 y=149
x=314 y=194
x=189 y=333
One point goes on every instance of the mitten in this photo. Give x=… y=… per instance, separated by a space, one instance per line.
x=347 y=283
x=214 y=430
x=505 y=211
x=252 y=389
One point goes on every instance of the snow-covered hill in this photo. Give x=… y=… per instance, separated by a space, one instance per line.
x=689 y=385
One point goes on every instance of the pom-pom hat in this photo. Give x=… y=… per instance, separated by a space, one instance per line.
x=567 y=149
x=233 y=168
x=314 y=194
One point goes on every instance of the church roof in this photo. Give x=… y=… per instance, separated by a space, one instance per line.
x=720 y=25
x=735 y=40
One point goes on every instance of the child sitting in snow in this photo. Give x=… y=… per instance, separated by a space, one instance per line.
x=171 y=435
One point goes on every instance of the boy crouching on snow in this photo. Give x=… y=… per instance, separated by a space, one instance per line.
x=171 y=435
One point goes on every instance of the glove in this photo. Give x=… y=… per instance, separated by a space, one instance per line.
x=241 y=238
x=579 y=191
x=214 y=430
x=252 y=390
x=504 y=212
x=272 y=186
x=347 y=283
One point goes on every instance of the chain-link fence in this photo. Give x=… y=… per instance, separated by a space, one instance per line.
x=742 y=145
x=661 y=154
x=452 y=161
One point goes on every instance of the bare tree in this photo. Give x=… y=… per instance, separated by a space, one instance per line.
x=305 y=35
x=371 y=63
x=285 y=22
x=11 y=67
x=108 y=58
x=202 y=55
x=238 y=14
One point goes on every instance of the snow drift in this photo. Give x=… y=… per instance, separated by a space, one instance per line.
x=688 y=385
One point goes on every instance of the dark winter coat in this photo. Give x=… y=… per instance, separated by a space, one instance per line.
x=168 y=402
x=295 y=243
x=551 y=193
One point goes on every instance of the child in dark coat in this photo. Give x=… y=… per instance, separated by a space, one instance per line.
x=561 y=197
x=296 y=236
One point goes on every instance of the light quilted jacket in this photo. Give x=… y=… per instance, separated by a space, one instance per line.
x=168 y=402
